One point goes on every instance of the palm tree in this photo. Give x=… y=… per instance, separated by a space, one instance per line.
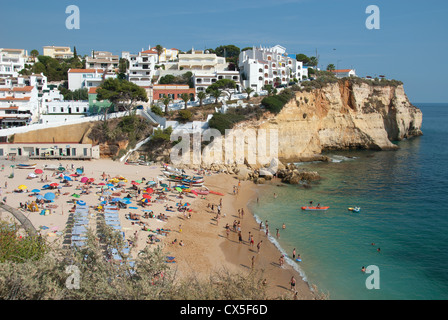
x=201 y=96
x=248 y=90
x=185 y=97
x=159 y=50
x=166 y=101
x=216 y=94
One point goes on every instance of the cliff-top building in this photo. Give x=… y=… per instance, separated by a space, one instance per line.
x=269 y=66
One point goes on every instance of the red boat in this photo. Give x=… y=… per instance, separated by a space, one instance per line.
x=315 y=208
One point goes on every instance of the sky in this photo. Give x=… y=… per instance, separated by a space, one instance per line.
x=410 y=45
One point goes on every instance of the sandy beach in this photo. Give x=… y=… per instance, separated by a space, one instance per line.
x=207 y=247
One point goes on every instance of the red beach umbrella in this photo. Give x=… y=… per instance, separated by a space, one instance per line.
x=38 y=171
x=146 y=196
x=54 y=184
x=149 y=190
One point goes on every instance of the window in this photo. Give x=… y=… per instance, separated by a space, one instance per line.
x=85 y=152
x=73 y=151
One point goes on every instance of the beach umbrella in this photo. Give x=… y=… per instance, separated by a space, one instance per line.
x=39 y=196
x=149 y=190
x=178 y=189
x=101 y=184
x=146 y=196
x=164 y=185
x=74 y=175
x=49 y=196
x=144 y=200
x=110 y=184
x=61 y=169
x=84 y=179
x=38 y=171
x=75 y=195
x=80 y=202
x=67 y=178
x=133 y=208
x=135 y=183
x=22 y=187
x=54 y=184
x=35 y=190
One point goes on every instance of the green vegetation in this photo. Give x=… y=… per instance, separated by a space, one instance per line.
x=53 y=69
x=131 y=128
x=185 y=78
x=122 y=93
x=223 y=121
x=78 y=94
x=19 y=248
x=185 y=115
x=162 y=134
x=276 y=102
x=157 y=110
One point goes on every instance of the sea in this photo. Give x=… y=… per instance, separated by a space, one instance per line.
x=400 y=235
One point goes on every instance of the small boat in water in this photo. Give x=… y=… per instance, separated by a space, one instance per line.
x=308 y=208
x=354 y=209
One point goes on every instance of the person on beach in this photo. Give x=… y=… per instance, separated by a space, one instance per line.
x=259 y=246
x=294 y=253
x=281 y=260
x=253 y=262
x=293 y=283
x=278 y=234
x=240 y=237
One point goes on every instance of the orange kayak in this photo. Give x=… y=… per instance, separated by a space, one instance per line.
x=315 y=208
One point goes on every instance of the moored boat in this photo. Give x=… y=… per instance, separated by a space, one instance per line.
x=26 y=166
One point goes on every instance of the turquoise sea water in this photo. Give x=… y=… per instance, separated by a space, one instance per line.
x=403 y=197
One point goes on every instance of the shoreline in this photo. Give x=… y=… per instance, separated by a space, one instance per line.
x=206 y=247
x=212 y=251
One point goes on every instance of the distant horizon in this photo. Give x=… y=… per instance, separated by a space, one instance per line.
x=406 y=47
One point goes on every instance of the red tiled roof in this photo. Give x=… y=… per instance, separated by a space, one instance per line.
x=149 y=51
x=342 y=70
x=92 y=90
x=85 y=70
x=23 y=89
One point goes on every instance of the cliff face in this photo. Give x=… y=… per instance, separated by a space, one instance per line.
x=340 y=116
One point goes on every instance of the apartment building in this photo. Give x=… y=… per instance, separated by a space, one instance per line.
x=200 y=61
x=19 y=106
x=141 y=67
x=262 y=66
x=12 y=61
x=58 y=52
x=102 y=60
x=87 y=78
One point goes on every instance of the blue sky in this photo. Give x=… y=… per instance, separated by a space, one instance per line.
x=410 y=45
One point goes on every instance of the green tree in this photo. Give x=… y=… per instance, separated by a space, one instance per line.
x=331 y=67
x=159 y=50
x=185 y=115
x=226 y=85
x=228 y=51
x=248 y=90
x=303 y=58
x=268 y=88
x=34 y=53
x=201 y=96
x=122 y=93
x=185 y=98
x=167 y=79
x=166 y=101
x=313 y=61
x=216 y=93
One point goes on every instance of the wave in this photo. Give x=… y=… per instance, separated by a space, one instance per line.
x=288 y=259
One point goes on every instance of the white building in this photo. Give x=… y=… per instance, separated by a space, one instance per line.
x=18 y=106
x=58 y=52
x=262 y=66
x=102 y=60
x=12 y=61
x=141 y=67
x=343 y=73
x=87 y=78
x=203 y=80
x=201 y=62
x=166 y=55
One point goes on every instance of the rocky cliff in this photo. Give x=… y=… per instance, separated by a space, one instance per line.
x=342 y=115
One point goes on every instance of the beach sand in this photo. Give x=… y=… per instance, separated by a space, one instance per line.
x=206 y=248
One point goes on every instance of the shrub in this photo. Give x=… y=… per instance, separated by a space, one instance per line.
x=157 y=110
x=223 y=121
x=185 y=115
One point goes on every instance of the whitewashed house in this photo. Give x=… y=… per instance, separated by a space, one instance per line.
x=343 y=73
x=262 y=66
x=141 y=67
x=58 y=52
x=102 y=60
x=12 y=61
x=87 y=78
x=19 y=106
